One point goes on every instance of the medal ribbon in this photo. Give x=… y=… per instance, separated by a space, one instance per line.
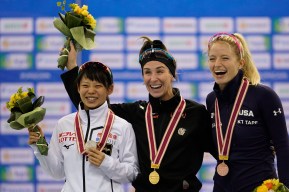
x=224 y=144
x=105 y=132
x=157 y=155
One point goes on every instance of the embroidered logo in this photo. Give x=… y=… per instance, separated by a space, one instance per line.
x=181 y=131
x=212 y=115
x=67 y=146
x=275 y=112
x=186 y=185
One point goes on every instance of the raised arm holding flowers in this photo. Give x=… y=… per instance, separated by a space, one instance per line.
x=25 y=114
x=78 y=26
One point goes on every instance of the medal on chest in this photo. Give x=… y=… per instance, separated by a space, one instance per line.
x=104 y=135
x=156 y=156
x=224 y=144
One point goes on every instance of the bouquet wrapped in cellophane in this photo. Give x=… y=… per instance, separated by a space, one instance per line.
x=77 y=25
x=26 y=113
x=271 y=185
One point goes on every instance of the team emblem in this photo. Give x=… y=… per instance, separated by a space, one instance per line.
x=181 y=131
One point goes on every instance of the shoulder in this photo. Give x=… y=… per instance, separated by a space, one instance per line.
x=262 y=91
x=67 y=118
x=193 y=105
x=118 y=121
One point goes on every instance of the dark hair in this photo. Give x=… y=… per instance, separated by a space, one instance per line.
x=148 y=43
x=95 y=71
x=155 y=50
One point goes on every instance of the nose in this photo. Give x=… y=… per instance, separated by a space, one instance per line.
x=218 y=62
x=91 y=89
x=154 y=77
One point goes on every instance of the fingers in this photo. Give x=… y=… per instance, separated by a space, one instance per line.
x=33 y=137
x=95 y=156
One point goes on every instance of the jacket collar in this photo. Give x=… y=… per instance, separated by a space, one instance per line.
x=97 y=116
x=231 y=90
x=169 y=105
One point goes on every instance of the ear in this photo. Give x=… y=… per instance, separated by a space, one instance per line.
x=110 y=89
x=78 y=89
x=242 y=62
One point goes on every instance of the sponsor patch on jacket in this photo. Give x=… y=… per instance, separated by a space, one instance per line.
x=66 y=136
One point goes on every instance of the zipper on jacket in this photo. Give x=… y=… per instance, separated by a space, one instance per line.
x=84 y=156
x=111 y=182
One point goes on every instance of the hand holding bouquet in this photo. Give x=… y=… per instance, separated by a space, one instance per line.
x=271 y=185
x=77 y=25
x=25 y=114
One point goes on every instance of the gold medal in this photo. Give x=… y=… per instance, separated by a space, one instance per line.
x=154 y=177
x=222 y=169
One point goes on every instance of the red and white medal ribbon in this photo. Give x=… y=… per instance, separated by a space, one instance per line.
x=224 y=144
x=105 y=132
x=157 y=155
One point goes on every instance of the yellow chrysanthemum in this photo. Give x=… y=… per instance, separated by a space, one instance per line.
x=85 y=7
x=262 y=188
x=84 y=12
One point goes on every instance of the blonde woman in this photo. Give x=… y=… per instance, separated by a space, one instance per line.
x=247 y=118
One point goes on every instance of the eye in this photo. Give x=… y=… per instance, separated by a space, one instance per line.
x=147 y=72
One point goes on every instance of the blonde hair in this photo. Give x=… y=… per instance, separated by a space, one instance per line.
x=237 y=41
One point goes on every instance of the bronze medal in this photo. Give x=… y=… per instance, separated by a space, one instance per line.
x=154 y=177
x=222 y=169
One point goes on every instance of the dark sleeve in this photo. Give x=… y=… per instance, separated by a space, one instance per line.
x=128 y=111
x=207 y=131
x=274 y=119
x=68 y=79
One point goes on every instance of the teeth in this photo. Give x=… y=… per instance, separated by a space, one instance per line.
x=91 y=98
x=155 y=86
x=220 y=72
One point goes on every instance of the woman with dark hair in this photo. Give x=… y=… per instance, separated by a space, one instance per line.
x=92 y=149
x=172 y=133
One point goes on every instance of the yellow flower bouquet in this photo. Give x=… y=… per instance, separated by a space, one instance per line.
x=26 y=114
x=271 y=185
x=78 y=26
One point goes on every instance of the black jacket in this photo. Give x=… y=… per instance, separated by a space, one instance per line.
x=184 y=155
x=260 y=122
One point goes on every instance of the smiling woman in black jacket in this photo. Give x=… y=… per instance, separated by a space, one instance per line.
x=172 y=133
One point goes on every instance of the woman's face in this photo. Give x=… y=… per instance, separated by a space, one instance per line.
x=223 y=63
x=158 y=80
x=92 y=93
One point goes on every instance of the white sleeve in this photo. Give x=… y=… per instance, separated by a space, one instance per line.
x=53 y=162
x=125 y=168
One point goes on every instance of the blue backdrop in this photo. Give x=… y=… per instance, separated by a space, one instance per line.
x=29 y=47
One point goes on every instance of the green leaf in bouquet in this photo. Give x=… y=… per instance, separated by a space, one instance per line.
x=41 y=143
x=38 y=102
x=16 y=125
x=62 y=17
x=32 y=117
x=42 y=146
x=62 y=61
x=25 y=104
x=14 y=115
x=79 y=36
x=60 y=25
x=72 y=20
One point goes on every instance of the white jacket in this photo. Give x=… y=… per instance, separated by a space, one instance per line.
x=65 y=161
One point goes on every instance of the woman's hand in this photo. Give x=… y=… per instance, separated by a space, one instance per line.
x=95 y=156
x=34 y=136
x=72 y=57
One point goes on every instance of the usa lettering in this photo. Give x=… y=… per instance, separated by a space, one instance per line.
x=247 y=113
